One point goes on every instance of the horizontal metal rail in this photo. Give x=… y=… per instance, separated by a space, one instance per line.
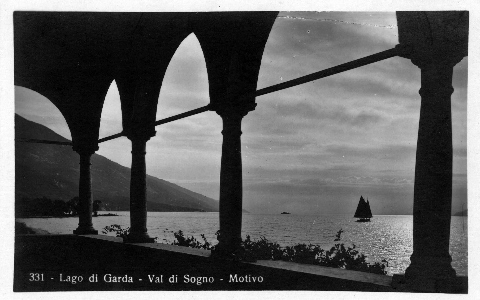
x=399 y=50
x=163 y=121
x=111 y=137
x=183 y=115
x=44 y=142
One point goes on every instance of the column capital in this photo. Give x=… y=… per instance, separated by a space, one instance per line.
x=139 y=147
x=233 y=111
x=85 y=149
x=431 y=57
x=142 y=134
x=436 y=38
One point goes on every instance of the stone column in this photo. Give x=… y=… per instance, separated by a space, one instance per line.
x=437 y=40
x=138 y=194
x=85 y=203
x=430 y=268
x=230 y=211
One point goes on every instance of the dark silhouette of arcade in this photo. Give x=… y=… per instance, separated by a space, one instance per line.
x=72 y=57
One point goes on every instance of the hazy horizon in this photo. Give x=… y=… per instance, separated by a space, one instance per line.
x=255 y=213
x=310 y=149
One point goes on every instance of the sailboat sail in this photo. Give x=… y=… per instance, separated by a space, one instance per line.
x=363 y=209
x=369 y=211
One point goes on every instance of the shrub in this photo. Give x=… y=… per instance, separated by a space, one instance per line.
x=117 y=229
x=304 y=254
x=338 y=256
x=349 y=258
x=263 y=249
x=192 y=242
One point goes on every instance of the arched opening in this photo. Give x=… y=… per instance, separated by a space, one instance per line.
x=111 y=123
x=44 y=173
x=187 y=152
x=37 y=108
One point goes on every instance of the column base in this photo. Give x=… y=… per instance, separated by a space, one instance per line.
x=430 y=267
x=455 y=285
x=138 y=238
x=430 y=274
x=85 y=230
x=228 y=249
x=227 y=254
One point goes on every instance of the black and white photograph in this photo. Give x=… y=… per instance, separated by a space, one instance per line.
x=272 y=149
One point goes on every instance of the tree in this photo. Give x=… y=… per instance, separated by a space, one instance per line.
x=73 y=206
x=96 y=207
x=59 y=208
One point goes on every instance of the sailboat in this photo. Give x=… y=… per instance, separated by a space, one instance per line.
x=363 y=212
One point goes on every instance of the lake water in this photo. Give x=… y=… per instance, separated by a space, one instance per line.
x=385 y=237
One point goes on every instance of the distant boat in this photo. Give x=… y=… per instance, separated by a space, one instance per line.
x=363 y=212
x=285 y=213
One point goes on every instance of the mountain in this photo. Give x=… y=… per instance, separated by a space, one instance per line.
x=53 y=171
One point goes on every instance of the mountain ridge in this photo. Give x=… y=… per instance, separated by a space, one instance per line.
x=53 y=171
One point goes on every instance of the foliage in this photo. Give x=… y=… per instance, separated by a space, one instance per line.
x=73 y=205
x=261 y=249
x=304 y=254
x=192 y=242
x=96 y=207
x=46 y=207
x=117 y=229
x=349 y=258
x=338 y=256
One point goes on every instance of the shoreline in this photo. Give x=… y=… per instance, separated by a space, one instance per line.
x=61 y=217
x=22 y=228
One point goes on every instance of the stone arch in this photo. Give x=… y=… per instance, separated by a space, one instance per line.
x=139 y=77
x=63 y=56
x=232 y=44
x=187 y=60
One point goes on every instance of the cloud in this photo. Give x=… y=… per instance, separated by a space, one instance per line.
x=294 y=120
x=337 y=114
x=397 y=152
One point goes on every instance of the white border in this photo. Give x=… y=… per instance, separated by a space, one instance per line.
x=7 y=115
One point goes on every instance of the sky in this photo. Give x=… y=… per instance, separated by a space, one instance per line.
x=311 y=149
